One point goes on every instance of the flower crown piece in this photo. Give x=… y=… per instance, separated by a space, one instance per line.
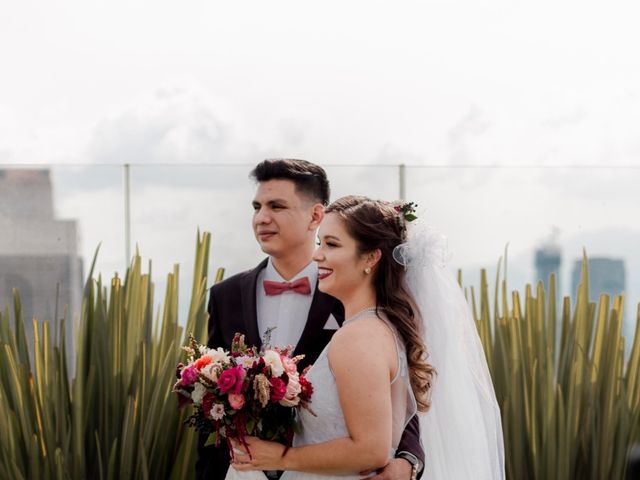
x=406 y=210
x=406 y=213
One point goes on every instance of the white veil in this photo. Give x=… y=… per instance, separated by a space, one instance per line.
x=462 y=431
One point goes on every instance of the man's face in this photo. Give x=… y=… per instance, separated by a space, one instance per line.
x=282 y=219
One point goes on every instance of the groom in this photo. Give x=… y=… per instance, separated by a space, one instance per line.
x=282 y=290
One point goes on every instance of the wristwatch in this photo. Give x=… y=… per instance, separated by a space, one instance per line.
x=416 y=464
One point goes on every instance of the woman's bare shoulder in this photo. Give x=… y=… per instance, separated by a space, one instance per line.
x=365 y=335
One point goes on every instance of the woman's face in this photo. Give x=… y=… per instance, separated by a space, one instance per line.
x=340 y=265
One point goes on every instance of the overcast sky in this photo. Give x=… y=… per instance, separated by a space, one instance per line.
x=468 y=85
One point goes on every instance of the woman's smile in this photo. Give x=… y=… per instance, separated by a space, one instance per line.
x=324 y=272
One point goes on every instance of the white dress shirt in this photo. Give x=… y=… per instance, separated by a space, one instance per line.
x=288 y=311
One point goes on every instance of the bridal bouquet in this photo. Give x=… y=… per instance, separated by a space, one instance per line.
x=244 y=392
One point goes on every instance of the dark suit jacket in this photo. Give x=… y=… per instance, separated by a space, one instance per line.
x=232 y=308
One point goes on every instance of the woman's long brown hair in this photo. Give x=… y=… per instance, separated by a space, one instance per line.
x=376 y=225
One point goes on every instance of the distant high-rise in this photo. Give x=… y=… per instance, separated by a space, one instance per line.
x=548 y=259
x=606 y=275
x=38 y=253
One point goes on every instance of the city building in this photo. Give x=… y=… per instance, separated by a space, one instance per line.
x=606 y=275
x=548 y=259
x=38 y=253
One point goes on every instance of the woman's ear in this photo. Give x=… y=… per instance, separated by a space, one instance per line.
x=373 y=257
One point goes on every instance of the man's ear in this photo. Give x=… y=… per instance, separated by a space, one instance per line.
x=317 y=215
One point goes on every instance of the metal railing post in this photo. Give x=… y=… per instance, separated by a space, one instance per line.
x=127 y=215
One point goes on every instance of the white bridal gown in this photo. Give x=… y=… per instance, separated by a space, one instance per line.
x=329 y=424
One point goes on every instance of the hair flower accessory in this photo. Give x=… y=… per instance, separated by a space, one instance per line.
x=406 y=212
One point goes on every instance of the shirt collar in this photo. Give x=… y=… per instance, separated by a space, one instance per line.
x=311 y=271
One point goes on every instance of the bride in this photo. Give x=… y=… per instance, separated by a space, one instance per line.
x=400 y=301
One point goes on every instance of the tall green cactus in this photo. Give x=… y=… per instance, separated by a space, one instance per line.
x=117 y=417
x=570 y=405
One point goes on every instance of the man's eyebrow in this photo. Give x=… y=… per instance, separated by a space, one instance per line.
x=280 y=201
x=275 y=201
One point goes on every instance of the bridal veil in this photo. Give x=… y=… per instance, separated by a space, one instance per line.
x=462 y=431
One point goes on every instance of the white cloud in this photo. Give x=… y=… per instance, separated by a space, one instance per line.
x=445 y=83
x=176 y=123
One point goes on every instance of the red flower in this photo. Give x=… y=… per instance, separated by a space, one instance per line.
x=203 y=361
x=231 y=380
x=307 y=388
x=278 y=389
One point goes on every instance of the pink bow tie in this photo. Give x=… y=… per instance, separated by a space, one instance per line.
x=301 y=285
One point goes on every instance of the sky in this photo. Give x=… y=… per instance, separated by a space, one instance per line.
x=514 y=117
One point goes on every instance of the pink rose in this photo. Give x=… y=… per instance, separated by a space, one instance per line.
x=289 y=365
x=231 y=380
x=236 y=401
x=189 y=375
x=291 y=398
x=278 y=389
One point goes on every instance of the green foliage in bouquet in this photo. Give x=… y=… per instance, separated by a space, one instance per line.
x=570 y=402
x=116 y=418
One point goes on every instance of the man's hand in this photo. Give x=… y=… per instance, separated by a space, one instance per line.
x=396 y=469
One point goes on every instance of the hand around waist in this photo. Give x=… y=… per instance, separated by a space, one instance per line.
x=396 y=469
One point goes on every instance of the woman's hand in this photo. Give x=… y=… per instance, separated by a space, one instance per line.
x=264 y=455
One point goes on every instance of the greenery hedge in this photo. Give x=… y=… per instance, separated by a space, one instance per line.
x=570 y=402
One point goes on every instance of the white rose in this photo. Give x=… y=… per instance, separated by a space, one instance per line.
x=290 y=403
x=217 y=411
x=210 y=372
x=246 y=361
x=219 y=355
x=272 y=359
x=198 y=393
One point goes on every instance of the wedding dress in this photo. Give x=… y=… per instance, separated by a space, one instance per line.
x=329 y=423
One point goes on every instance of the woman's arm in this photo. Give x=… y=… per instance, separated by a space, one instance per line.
x=363 y=359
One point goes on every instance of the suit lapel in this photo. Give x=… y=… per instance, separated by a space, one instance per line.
x=321 y=307
x=249 y=309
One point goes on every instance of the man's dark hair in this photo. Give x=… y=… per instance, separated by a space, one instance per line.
x=309 y=178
